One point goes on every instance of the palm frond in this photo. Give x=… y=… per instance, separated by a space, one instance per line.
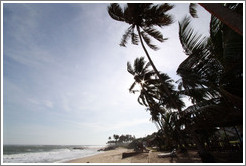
x=115 y=11
x=154 y=33
x=134 y=36
x=125 y=37
x=166 y=78
x=156 y=15
x=132 y=86
x=160 y=21
x=164 y=7
x=139 y=65
x=192 y=10
x=216 y=36
x=130 y=69
x=142 y=100
x=190 y=40
x=164 y=20
x=148 y=41
x=145 y=69
x=199 y=94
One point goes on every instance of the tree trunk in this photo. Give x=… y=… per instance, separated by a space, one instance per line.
x=162 y=81
x=203 y=153
x=156 y=71
x=225 y=15
x=176 y=133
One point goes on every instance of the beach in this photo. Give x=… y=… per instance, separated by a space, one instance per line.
x=115 y=156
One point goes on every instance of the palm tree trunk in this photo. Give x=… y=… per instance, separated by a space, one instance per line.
x=156 y=71
x=147 y=54
x=176 y=133
x=225 y=15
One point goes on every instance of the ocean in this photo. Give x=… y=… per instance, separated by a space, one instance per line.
x=47 y=153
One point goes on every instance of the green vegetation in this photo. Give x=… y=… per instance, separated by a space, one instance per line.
x=121 y=139
x=211 y=77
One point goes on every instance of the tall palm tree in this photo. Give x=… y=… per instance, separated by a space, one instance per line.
x=143 y=18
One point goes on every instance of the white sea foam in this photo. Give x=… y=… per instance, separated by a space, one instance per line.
x=54 y=156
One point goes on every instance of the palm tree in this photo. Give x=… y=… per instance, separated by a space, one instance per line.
x=116 y=137
x=145 y=79
x=152 y=95
x=213 y=67
x=212 y=75
x=144 y=17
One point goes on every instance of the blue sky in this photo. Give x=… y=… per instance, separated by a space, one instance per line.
x=64 y=73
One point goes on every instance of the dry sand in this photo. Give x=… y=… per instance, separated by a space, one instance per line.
x=115 y=156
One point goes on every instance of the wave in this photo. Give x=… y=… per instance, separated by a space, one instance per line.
x=55 y=155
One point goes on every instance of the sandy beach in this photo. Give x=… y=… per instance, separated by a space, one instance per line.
x=115 y=156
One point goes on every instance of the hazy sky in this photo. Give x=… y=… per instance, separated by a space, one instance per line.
x=64 y=73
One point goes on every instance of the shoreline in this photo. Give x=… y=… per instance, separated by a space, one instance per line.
x=115 y=156
x=110 y=156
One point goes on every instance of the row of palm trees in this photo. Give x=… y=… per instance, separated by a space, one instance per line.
x=211 y=75
x=121 y=138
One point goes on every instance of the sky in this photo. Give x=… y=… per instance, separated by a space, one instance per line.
x=65 y=78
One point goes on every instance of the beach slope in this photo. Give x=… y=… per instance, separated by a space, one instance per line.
x=115 y=156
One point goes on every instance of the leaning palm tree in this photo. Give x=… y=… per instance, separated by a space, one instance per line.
x=144 y=18
x=151 y=90
x=140 y=71
x=145 y=79
x=152 y=96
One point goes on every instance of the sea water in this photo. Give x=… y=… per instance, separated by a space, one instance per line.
x=46 y=153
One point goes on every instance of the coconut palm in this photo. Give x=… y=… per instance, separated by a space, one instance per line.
x=152 y=96
x=144 y=18
x=145 y=79
x=213 y=67
x=212 y=75
x=196 y=79
x=150 y=87
x=116 y=137
x=142 y=75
